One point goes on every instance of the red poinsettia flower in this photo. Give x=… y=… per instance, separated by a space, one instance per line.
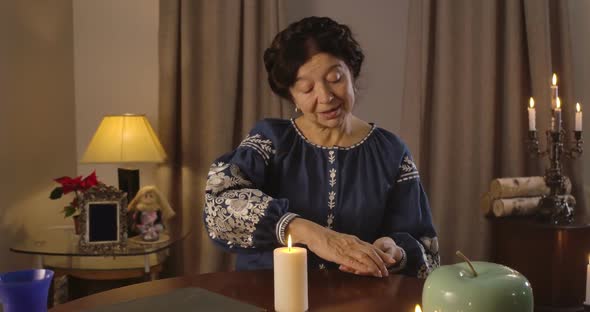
x=89 y=181
x=68 y=184
x=76 y=184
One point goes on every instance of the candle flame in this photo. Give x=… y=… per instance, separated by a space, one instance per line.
x=578 y=108
x=289 y=243
x=532 y=102
x=558 y=103
x=554 y=79
x=417 y=309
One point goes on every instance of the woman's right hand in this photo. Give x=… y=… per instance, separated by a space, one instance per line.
x=349 y=251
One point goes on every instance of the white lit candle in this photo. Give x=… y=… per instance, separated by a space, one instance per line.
x=557 y=115
x=290 y=276
x=417 y=308
x=532 y=126
x=554 y=92
x=578 y=117
x=588 y=283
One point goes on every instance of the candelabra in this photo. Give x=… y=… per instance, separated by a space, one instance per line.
x=554 y=208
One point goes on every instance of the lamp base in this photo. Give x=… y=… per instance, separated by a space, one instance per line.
x=129 y=182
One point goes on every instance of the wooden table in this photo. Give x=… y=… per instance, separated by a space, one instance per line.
x=328 y=291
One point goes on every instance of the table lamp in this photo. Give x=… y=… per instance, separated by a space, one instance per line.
x=127 y=139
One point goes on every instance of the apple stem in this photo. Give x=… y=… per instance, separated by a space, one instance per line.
x=461 y=255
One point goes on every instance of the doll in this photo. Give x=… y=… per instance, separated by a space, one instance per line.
x=149 y=209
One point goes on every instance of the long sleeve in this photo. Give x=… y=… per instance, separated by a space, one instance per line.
x=238 y=214
x=408 y=221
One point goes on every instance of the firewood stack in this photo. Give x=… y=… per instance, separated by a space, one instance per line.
x=518 y=196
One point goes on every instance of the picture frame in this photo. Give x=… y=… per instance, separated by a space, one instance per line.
x=103 y=219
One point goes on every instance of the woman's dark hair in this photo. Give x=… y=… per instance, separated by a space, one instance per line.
x=296 y=44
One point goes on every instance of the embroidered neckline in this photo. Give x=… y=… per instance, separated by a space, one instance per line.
x=373 y=127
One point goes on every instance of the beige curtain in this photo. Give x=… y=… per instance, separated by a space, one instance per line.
x=212 y=90
x=471 y=67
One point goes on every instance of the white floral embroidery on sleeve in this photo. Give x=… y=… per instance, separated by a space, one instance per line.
x=231 y=210
x=261 y=145
x=218 y=181
x=407 y=170
x=431 y=256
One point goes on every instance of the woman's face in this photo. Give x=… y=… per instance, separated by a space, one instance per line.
x=323 y=90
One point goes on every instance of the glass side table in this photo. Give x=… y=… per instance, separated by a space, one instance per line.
x=57 y=249
x=61 y=241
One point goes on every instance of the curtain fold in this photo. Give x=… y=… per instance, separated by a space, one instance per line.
x=471 y=67
x=212 y=90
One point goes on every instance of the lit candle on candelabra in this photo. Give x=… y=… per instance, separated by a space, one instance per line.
x=290 y=277
x=532 y=125
x=578 y=117
x=417 y=308
x=557 y=114
x=554 y=93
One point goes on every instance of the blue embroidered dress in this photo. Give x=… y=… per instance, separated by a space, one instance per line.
x=371 y=189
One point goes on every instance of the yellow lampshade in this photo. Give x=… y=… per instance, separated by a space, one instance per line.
x=124 y=139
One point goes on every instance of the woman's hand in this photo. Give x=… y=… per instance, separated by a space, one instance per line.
x=389 y=247
x=353 y=255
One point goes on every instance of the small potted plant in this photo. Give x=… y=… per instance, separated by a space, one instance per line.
x=77 y=185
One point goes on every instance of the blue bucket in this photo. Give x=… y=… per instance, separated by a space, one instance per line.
x=25 y=290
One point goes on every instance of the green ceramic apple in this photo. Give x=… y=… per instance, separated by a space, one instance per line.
x=451 y=288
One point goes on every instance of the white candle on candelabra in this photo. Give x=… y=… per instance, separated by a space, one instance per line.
x=557 y=115
x=290 y=277
x=532 y=126
x=554 y=92
x=578 y=117
x=587 y=301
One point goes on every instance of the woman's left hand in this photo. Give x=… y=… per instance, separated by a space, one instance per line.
x=389 y=248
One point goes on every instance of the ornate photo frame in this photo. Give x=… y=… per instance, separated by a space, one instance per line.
x=103 y=219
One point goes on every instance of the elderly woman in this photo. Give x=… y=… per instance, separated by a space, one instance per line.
x=344 y=188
